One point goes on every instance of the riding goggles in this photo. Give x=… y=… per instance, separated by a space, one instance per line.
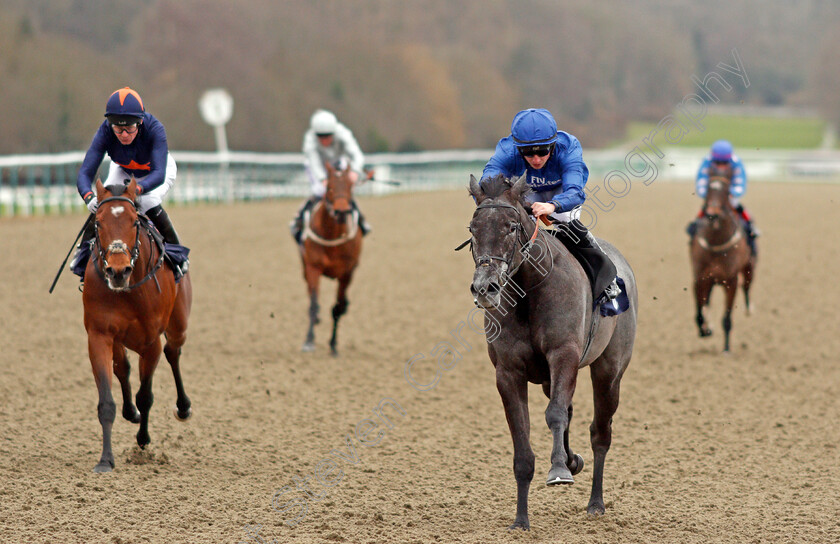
x=538 y=150
x=125 y=129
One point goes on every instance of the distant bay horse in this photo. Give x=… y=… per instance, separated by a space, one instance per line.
x=538 y=297
x=332 y=244
x=130 y=298
x=720 y=253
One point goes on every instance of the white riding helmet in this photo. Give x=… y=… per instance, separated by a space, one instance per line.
x=323 y=122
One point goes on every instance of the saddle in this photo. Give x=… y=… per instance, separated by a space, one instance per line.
x=599 y=269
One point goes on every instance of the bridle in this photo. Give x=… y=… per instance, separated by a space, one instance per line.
x=351 y=221
x=115 y=248
x=517 y=246
x=736 y=235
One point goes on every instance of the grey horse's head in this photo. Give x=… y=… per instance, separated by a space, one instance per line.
x=497 y=235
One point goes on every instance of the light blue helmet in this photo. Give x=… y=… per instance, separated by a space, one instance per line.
x=722 y=150
x=533 y=127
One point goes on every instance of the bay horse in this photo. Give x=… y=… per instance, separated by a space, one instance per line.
x=332 y=244
x=130 y=298
x=537 y=297
x=720 y=254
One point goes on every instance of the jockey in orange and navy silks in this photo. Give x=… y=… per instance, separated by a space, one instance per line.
x=146 y=157
x=136 y=143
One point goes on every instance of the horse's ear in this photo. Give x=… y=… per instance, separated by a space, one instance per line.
x=330 y=168
x=519 y=188
x=131 y=190
x=476 y=191
x=100 y=190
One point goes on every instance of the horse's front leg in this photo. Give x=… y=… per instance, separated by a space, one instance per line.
x=100 y=351
x=312 y=276
x=563 y=368
x=340 y=308
x=122 y=369
x=513 y=389
x=747 y=275
x=731 y=286
x=145 y=398
x=702 y=290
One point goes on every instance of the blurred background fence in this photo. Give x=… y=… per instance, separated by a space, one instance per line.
x=46 y=184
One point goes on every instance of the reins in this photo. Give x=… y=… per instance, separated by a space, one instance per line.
x=525 y=248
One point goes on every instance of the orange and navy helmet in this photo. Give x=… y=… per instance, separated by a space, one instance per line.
x=124 y=107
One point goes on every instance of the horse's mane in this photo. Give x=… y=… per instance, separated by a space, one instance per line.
x=497 y=185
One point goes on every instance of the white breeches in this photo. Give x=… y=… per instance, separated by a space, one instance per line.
x=146 y=201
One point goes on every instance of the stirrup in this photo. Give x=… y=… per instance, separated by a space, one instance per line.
x=612 y=291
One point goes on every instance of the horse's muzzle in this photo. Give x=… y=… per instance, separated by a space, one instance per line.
x=486 y=288
x=118 y=279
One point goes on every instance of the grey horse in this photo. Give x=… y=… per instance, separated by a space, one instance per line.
x=538 y=301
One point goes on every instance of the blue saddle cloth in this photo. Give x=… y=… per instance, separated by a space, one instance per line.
x=616 y=306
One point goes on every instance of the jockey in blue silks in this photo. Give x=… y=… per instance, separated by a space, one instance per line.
x=136 y=143
x=721 y=157
x=552 y=161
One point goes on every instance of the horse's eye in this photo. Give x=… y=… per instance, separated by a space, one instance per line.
x=513 y=226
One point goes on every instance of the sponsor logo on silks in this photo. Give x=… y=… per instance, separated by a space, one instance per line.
x=136 y=166
x=537 y=181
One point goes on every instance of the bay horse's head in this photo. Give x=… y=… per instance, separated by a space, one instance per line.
x=117 y=234
x=717 y=204
x=339 y=192
x=498 y=235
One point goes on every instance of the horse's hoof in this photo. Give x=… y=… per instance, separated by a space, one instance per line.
x=143 y=441
x=705 y=332
x=133 y=417
x=334 y=352
x=595 y=509
x=523 y=525
x=575 y=464
x=559 y=475
x=182 y=416
x=103 y=466
x=308 y=347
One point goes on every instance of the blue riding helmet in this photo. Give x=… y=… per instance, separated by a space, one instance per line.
x=722 y=151
x=124 y=107
x=533 y=127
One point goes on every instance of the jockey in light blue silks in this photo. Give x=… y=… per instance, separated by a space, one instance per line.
x=328 y=141
x=721 y=156
x=552 y=161
x=136 y=143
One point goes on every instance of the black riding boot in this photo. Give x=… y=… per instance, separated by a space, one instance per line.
x=80 y=259
x=598 y=266
x=749 y=229
x=164 y=225
x=363 y=224
x=691 y=229
x=296 y=226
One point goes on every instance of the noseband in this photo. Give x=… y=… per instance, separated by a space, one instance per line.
x=121 y=247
